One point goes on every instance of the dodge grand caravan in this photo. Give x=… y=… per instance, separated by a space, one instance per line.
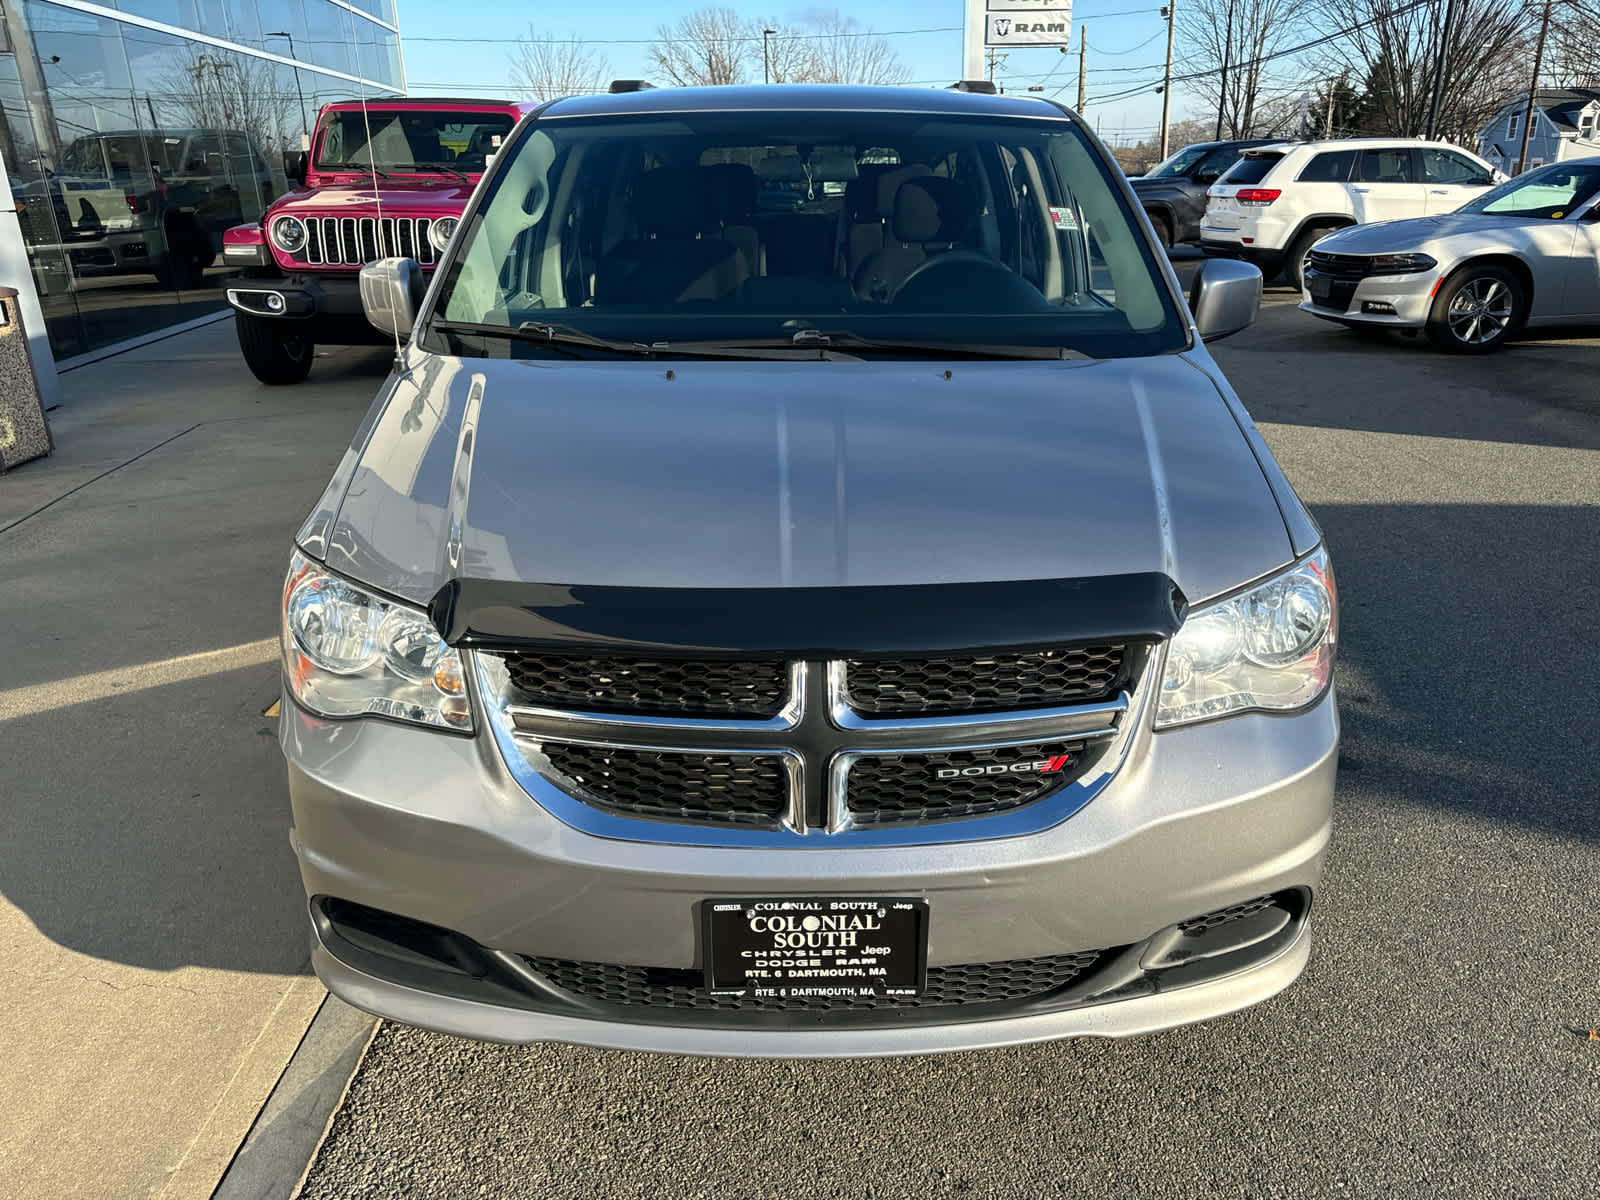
x=863 y=625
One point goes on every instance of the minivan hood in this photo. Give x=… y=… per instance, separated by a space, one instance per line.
x=715 y=474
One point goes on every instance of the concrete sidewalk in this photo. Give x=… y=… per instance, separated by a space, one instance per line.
x=156 y=976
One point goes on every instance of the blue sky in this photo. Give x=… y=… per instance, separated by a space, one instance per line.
x=1127 y=43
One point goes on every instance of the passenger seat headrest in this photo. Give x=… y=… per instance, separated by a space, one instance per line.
x=668 y=200
x=932 y=209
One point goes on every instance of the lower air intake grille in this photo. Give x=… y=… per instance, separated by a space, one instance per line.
x=929 y=687
x=652 y=687
x=1195 y=926
x=947 y=987
x=882 y=789
x=673 y=785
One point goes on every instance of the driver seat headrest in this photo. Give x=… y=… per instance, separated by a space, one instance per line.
x=932 y=208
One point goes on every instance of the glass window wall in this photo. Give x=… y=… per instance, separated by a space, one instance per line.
x=130 y=150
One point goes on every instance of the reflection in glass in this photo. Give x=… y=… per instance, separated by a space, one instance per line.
x=130 y=151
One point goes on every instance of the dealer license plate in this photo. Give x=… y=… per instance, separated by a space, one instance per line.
x=819 y=947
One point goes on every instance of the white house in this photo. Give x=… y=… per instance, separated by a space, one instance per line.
x=1564 y=126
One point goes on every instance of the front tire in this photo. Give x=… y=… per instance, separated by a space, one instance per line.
x=1294 y=266
x=1476 y=310
x=276 y=353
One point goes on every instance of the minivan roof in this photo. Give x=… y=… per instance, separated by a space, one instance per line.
x=805 y=97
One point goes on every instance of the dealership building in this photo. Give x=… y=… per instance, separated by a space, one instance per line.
x=136 y=131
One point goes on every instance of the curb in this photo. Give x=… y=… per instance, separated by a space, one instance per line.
x=275 y=1156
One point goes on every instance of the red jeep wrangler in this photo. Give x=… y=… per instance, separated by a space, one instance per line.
x=302 y=259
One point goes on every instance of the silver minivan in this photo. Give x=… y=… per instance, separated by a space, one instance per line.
x=806 y=590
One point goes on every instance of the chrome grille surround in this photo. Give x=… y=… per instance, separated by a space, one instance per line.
x=819 y=739
x=355 y=241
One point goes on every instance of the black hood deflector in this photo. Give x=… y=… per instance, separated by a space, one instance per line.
x=810 y=622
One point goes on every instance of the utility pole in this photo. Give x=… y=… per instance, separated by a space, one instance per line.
x=1333 y=91
x=1438 y=67
x=1227 y=61
x=994 y=59
x=1533 y=87
x=1170 y=12
x=1083 y=59
x=766 y=55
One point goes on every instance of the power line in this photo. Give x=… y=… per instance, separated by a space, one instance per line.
x=721 y=41
x=1265 y=58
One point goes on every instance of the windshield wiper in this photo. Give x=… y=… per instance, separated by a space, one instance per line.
x=816 y=339
x=359 y=168
x=461 y=175
x=562 y=337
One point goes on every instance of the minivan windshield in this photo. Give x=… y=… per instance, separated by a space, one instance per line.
x=864 y=231
x=1550 y=193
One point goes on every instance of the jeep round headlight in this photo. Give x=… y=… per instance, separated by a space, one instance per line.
x=439 y=232
x=288 y=234
x=1270 y=648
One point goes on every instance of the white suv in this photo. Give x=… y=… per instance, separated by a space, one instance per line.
x=1277 y=201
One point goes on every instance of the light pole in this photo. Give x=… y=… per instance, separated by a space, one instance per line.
x=305 y=126
x=1227 y=61
x=766 y=55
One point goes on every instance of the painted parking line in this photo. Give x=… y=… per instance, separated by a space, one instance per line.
x=81 y=689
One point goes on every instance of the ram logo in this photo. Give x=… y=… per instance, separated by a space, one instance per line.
x=1002 y=26
x=1037 y=766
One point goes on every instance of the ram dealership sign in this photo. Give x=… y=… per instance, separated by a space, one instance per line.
x=1028 y=23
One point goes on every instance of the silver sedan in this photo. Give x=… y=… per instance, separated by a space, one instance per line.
x=1524 y=254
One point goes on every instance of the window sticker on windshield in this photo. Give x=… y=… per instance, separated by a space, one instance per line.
x=1063 y=218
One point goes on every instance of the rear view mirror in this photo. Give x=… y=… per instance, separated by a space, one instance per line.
x=1224 y=298
x=391 y=292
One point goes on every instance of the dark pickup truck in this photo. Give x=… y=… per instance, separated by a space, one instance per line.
x=1174 y=192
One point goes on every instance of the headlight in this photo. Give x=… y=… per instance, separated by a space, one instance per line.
x=1270 y=648
x=347 y=653
x=439 y=232
x=1400 y=264
x=288 y=234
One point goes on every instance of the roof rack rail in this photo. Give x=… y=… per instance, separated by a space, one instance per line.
x=983 y=87
x=629 y=85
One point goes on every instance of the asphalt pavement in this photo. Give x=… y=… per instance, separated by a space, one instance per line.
x=1438 y=1045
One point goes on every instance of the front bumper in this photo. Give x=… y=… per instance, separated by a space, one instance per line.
x=1392 y=301
x=435 y=828
x=330 y=304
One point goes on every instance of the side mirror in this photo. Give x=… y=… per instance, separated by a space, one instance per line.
x=1207 y=178
x=295 y=165
x=391 y=292
x=1224 y=298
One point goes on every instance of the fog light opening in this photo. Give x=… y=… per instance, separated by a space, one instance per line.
x=274 y=302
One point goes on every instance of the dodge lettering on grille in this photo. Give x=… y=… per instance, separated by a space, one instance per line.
x=1041 y=766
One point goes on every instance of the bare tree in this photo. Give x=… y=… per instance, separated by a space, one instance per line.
x=844 y=52
x=549 y=68
x=1572 y=58
x=715 y=45
x=1392 y=47
x=1231 y=40
x=226 y=92
x=709 y=46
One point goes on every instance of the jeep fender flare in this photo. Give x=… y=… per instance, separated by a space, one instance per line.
x=1331 y=220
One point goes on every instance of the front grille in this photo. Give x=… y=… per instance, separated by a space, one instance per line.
x=925 y=687
x=885 y=789
x=676 y=785
x=1345 y=266
x=652 y=687
x=947 y=987
x=355 y=241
